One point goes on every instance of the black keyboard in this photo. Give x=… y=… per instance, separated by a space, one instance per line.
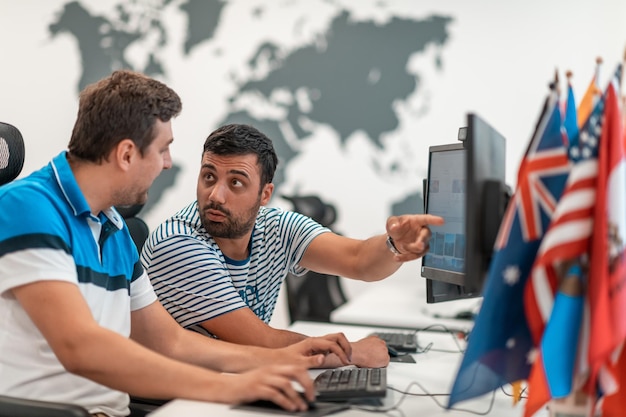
x=351 y=384
x=400 y=341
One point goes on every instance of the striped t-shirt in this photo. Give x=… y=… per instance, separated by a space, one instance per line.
x=196 y=282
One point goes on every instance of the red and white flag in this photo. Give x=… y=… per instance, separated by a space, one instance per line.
x=607 y=272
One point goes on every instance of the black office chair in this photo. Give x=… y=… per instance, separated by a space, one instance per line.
x=20 y=407
x=11 y=153
x=138 y=229
x=313 y=296
x=11 y=163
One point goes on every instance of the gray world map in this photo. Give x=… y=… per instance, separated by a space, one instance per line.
x=351 y=82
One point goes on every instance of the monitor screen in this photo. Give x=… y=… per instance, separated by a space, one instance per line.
x=446 y=198
x=445 y=188
x=465 y=186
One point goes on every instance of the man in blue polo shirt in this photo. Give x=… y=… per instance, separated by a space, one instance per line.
x=80 y=320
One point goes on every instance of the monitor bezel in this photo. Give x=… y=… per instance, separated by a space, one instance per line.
x=428 y=272
x=485 y=162
x=486 y=198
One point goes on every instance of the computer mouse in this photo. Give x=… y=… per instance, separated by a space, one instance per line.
x=269 y=405
x=392 y=352
x=464 y=315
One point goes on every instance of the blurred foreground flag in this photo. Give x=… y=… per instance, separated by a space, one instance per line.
x=554 y=294
x=591 y=96
x=607 y=272
x=500 y=342
x=614 y=405
x=570 y=120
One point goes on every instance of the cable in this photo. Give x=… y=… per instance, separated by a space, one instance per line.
x=521 y=394
x=405 y=393
x=433 y=397
x=454 y=334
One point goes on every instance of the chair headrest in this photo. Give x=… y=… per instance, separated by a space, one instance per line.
x=313 y=207
x=11 y=153
x=129 y=211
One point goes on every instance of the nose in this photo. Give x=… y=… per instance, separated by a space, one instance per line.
x=167 y=160
x=218 y=193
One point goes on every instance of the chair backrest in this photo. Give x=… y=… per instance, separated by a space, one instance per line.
x=20 y=407
x=11 y=153
x=314 y=296
x=313 y=207
x=138 y=229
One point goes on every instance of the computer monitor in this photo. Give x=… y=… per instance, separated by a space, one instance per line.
x=465 y=186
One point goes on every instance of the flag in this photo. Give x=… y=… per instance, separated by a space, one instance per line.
x=500 y=342
x=570 y=122
x=607 y=273
x=591 y=96
x=552 y=372
x=555 y=299
x=614 y=405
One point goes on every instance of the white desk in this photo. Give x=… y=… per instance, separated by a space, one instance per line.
x=434 y=371
x=401 y=303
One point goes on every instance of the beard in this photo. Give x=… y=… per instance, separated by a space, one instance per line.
x=232 y=227
x=130 y=197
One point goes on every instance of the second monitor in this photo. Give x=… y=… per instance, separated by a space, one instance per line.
x=466 y=186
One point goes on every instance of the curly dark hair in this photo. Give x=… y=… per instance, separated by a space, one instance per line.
x=124 y=105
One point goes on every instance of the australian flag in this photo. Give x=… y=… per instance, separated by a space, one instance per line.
x=500 y=345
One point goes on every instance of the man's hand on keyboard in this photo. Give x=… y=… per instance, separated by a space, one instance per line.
x=369 y=352
x=273 y=383
x=311 y=352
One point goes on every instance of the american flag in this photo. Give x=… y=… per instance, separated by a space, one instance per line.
x=500 y=342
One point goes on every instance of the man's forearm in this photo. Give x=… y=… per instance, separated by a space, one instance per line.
x=376 y=261
x=369 y=352
x=225 y=356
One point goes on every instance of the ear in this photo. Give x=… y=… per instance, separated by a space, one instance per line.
x=124 y=153
x=266 y=194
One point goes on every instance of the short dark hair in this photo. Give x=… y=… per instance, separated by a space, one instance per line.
x=240 y=139
x=124 y=105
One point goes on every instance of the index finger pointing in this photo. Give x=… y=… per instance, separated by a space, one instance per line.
x=433 y=220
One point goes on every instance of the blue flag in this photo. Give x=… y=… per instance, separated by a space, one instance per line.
x=500 y=343
x=571 y=119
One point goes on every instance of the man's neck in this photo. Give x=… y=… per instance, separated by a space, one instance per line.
x=236 y=249
x=95 y=192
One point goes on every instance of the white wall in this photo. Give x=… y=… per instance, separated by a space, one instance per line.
x=497 y=63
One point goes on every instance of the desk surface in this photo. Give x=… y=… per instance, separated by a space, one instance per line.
x=401 y=303
x=433 y=373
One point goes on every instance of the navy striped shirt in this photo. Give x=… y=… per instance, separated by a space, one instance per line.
x=196 y=282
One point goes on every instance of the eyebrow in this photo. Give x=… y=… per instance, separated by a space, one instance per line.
x=232 y=171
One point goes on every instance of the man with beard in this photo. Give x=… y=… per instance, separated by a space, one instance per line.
x=81 y=323
x=217 y=264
